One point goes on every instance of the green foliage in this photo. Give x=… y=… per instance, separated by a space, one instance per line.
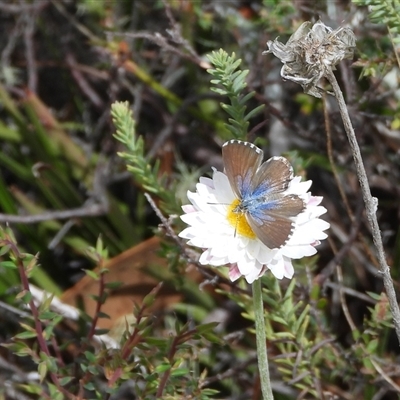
x=274 y=11
x=165 y=367
x=385 y=12
x=306 y=351
x=145 y=174
x=99 y=253
x=43 y=170
x=233 y=82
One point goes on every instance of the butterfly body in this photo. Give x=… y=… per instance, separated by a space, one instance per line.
x=261 y=191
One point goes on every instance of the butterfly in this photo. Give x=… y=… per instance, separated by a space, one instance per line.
x=260 y=189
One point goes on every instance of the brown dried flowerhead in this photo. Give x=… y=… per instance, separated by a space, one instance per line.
x=310 y=51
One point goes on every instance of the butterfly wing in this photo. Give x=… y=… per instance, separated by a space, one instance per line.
x=270 y=220
x=261 y=186
x=241 y=161
x=273 y=233
x=270 y=214
x=273 y=176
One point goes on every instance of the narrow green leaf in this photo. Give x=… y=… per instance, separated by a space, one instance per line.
x=42 y=369
x=7 y=264
x=162 y=368
x=25 y=335
x=254 y=112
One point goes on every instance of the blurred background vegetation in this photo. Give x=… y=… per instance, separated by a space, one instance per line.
x=62 y=186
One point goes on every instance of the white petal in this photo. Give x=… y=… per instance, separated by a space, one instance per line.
x=289 y=270
x=309 y=232
x=253 y=248
x=253 y=273
x=207 y=181
x=207 y=193
x=193 y=218
x=188 y=208
x=199 y=203
x=186 y=233
x=277 y=267
x=297 y=187
x=245 y=265
x=234 y=272
x=297 y=252
x=233 y=253
x=219 y=247
x=265 y=254
x=205 y=257
x=315 y=200
x=224 y=191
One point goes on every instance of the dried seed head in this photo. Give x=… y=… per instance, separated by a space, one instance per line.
x=310 y=51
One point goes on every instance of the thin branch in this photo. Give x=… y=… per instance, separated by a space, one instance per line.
x=90 y=210
x=350 y=292
x=385 y=376
x=343 y=302
x=23 y=7
x=74 y=21
x=96 y=205
x=370 y=202
x=29 y=31
x=12 y=41
x=82 y=82
x=164 y=44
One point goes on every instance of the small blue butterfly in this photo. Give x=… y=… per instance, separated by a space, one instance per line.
x=260 y=188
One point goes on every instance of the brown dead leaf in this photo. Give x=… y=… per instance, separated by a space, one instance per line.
x=131 y=268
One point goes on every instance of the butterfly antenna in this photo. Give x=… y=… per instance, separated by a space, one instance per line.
x=236 y=225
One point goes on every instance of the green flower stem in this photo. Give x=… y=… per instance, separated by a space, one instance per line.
x=261 y=341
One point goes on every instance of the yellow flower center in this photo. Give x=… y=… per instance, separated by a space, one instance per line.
x=238 y=220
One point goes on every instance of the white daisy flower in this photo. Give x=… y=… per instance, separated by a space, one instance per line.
x=218 y=225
